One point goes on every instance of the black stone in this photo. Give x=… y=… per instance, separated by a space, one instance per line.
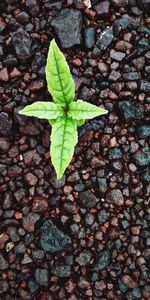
x=52 y=239
x=131 y=76
x=145 y=175
x=21 y=41
x=145 y=86
x=67 y=25
x=102 y=185
x=85 y=93
x=89 y=37
x=41 y=276
x=131 y=110
x=5 y=124
x=33 y=286
x=142 y=45
x=103 y=216
x=142 y=157
x=61 y=270
x=102 y=261
x=144 y=4
x=33 y=7
x=120 y=24
x=105 y=38
x=143 y=131
x=87 y=199
x=38 y=62
x=10 y=61
x=115 y=153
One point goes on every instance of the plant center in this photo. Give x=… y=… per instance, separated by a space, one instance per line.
x=66 y=110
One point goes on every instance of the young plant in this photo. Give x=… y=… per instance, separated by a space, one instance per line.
x=63 y=114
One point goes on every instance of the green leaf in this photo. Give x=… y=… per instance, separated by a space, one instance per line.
x=59 y=80
x=80 y=122
x=42 y=110
x=52 y=121
x=63 y=141
x=84 y=110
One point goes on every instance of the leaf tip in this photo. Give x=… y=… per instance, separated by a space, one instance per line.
x=53 y=43
x=105 y=111
x=20 y=112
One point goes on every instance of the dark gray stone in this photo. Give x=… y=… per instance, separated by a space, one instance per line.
x=4 y=144
x=120 y=24
x=115 y=153
x=20 y=248
x=3 y=288
x=144 y=4
x=26 y=259
x=105 y=38
x=74 y=177
x=145 y=86
x=144 y=131
x=136 y=293
x=131 y=110
x=102 y=185
x=61 y=270
x=10 y=61
x=33 y=7
x=143 y=45
x=56 y=4
x=21 y=41
x=23 y=18
x=5 y=124
x=3 y=263
x=33 y=286
x=38 y=62
x=103 y=216
x=84 y=258
x=89 y=37
x=103 y=260
x=29 y=221
x=87 y=199
x=145 y=175
x=37 y=254
x=85 y=93
x=131 y=76
x=67 y=25
x=120 y=3
x=142 y=157
x=102 y=8
x=52 y=239
x=115 y=197
x=41 y=276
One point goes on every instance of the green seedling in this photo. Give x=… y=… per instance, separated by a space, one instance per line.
x=64 y=114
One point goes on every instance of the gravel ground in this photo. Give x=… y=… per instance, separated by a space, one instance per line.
x=85 y=236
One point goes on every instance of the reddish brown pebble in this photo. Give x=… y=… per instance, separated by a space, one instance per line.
x=113 y=142
x=90 y=13
x=29 y=221
x=128 y=281
x=113 y=233
x=4 y=76
x=31 y=179
x=15 y=73
x=39 y=204
x=3 y=239
x=47 y=155
x=135 y=230
x=77 y=62
x=18 y=215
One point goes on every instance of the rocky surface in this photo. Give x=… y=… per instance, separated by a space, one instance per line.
x=85 y=236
